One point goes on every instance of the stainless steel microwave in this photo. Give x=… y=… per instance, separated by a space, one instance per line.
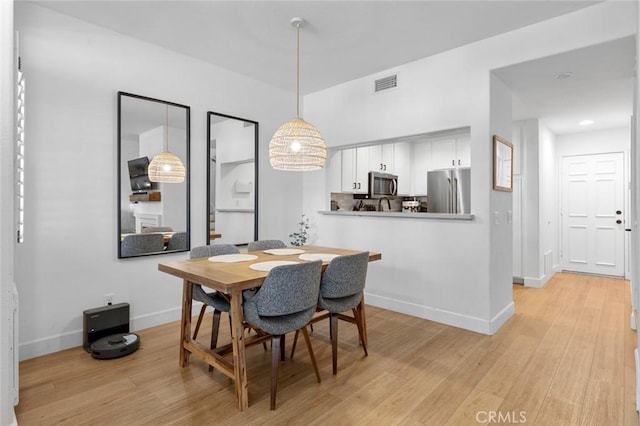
x=382 y=185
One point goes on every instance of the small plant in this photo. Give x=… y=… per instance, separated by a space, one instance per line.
x=300 y=237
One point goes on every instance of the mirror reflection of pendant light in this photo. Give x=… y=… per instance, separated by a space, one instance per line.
x=166 y=167
x=297 y=145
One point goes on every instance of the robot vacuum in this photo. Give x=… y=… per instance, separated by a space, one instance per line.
x=115 y=346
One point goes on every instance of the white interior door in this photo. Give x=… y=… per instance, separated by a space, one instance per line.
x=592 y=214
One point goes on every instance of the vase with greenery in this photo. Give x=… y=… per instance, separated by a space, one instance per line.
x=299 y=238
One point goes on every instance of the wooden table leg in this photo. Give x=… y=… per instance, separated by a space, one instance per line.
x=239 y=359
x=185 y=322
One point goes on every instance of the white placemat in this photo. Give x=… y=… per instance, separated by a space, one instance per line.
x=325 y=257
x=267 y=266
x=230 y=258
x=284 y=251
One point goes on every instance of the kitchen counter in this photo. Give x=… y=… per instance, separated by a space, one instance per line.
x=402 y=215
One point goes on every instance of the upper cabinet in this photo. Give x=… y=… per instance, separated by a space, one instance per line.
x=381 y=158
x=394 y=158
x=402 y=166
x=410 y=160
x=448 y=153
x=355 y=170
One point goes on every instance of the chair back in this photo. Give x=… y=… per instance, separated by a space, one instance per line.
x=213 y=250
x=178 y=241
x=136 y=244
x=289 y=289
x=149 y=229
x=345 y=276
x=265 y=245
x=287 y=299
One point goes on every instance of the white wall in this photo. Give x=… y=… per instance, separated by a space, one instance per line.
x=548 y=203
x=594 y=142
x=421 y=269
x=69 y=259
x=7 y=236
x=539 y=201
x=501 y=214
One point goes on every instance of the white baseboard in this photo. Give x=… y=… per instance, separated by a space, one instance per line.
x=467 y=322
x=537 y=282
x=72 y=339
x=501 y=318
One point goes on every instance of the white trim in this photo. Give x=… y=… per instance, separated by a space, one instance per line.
x=72 y=339
x=454 y=319
x=501 y=318
x=539 y=282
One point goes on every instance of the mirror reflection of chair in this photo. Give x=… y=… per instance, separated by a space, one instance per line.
x=285 y=302
x=178 y=241
x=217 y=301
x=150 y=229
x=137 y=244
x=341 y=290
x=265 y=245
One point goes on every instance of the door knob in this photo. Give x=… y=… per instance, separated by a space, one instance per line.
x=618 y=212
x=618 y=221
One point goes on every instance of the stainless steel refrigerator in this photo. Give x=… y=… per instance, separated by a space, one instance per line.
x=448 y=191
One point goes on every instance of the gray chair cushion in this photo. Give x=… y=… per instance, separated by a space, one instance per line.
x=213 y=250
x=212 y=299
x=178 y=241
x=265 y=245
x=343 y=282
x=137 y=244
x=287 y=299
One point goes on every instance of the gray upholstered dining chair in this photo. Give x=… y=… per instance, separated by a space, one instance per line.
x=265 y=245
x=341 y=290
x=178 y=241
x=137 y=244
x=150 y=229
x=285 y=302
x=214 y=299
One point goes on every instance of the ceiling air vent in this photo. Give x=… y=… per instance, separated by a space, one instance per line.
x=386 y=83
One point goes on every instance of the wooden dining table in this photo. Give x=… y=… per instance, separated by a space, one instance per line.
x=230 y=279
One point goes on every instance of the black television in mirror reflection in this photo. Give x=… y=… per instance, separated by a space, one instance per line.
x=139 y=175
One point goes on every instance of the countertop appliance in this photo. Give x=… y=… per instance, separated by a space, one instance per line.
x=449 y=191
x=411 y=206
x=382 y=185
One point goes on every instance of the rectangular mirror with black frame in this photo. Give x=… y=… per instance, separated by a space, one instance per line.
x=232 y=179
x=153 y=176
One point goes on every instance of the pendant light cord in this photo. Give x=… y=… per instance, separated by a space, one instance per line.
x=166 y=131
x=298 y=74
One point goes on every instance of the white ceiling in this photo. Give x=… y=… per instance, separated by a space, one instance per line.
x=345 y=40
x=600 y=87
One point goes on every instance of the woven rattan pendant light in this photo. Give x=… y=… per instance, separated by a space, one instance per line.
x=297 y=145
x=166 y=167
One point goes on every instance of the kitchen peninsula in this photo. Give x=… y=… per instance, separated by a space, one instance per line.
x=401 y=215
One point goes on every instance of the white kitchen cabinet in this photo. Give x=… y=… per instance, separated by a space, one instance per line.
x=448 y=153
x=463 y=151
x=402 y=166
x=421 y=165
x=355 y=170
x=443 y=153
x=381 y=158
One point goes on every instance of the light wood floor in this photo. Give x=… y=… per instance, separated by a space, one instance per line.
x=565 y=357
